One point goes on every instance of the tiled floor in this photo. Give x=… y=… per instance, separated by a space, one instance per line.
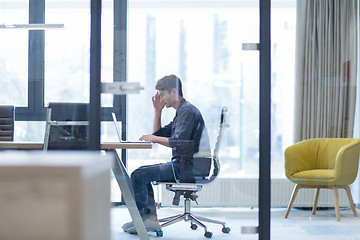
x=300 y=225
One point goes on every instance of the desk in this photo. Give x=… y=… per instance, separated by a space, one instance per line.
x=21 y=145
x=118 y=168
x=104 y=145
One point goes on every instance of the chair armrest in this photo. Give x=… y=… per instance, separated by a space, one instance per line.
x=347 y=163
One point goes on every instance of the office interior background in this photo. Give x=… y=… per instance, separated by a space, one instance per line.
x=201 y=42
x=211 y=63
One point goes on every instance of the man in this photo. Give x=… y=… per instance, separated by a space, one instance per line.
x=186 y=136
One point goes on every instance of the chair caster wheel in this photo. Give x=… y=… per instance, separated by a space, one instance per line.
x=159 y=233
x=193 y=226
x=208 y=234
x=225 y=229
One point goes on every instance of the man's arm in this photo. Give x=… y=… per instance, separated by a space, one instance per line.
x=156 y=139
x=158 y=106
x=157 y=121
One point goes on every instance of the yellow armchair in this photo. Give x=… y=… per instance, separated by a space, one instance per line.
x=323 y=163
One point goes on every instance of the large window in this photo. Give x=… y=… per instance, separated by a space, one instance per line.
x=55 y=68
x=67 y=52
x=201 y=43
x=13 y=54
x=203 y=46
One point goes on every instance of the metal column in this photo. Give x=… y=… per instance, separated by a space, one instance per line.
x=95 y=76
x=265 y=121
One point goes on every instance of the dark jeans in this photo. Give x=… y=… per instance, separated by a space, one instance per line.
x=141 y=180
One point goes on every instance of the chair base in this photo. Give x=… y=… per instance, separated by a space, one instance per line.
x=195 y=220
x=336 y=195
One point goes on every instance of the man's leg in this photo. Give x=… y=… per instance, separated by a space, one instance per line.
x=141 y=180
x=151 y=207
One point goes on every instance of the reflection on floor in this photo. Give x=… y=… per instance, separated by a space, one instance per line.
x=300 y=225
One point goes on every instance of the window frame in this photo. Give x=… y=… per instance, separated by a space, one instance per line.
x=35 y=110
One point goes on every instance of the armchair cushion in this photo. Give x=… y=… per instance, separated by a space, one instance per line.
x=315 y=175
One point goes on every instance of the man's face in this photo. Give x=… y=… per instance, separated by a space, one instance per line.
x=168 y=99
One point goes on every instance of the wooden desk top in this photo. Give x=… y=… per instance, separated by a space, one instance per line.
x=104 y=145
x=126 y=145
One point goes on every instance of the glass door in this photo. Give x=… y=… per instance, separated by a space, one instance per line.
x=201 y=43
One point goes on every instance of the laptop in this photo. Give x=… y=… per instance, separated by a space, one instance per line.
x=118 y=132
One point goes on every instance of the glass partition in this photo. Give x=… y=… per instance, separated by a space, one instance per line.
x=13 y=53
x=204 y=47
x=314 y=91
x=202 y=44
x=67 y=51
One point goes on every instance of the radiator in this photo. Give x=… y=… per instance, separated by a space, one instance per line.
x=226 y=192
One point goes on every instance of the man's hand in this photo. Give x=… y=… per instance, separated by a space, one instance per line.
x=148 y=137
x=155 y=139
x=158 y=106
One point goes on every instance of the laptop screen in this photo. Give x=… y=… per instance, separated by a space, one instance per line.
x=116 y=126
x=118 y=132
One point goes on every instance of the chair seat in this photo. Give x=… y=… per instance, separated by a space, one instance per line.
x=323 y=174
x=183 y=187
x=174 y=186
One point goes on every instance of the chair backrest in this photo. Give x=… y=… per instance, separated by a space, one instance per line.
x=223 y=124
x=6 y=123
x=66 y=126
x=215 y=157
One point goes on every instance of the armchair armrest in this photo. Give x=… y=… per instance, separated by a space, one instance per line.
x=347 y=162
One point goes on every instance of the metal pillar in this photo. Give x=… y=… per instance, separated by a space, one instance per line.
x=265 y=121
x=95 y=76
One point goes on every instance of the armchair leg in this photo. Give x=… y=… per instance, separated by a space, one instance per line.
x=293 y=196
x=337 y=208
x=336 y=196
x=347 y=189
x=316 y=201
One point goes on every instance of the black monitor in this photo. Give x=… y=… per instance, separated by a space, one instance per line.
x=68 y=137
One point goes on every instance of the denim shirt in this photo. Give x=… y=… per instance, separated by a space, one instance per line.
x=186 y=132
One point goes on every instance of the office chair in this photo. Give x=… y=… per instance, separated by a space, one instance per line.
x=66 y=126
x=189 y=188
x=6 y=123
x=328 y=163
